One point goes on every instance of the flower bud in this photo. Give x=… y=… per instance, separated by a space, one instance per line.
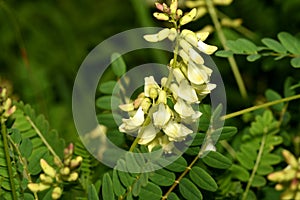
x=65 y=171
x=290 y=159
x=36 y=187
x=57 y=161
x=73 y=177
x=161 y=16
x=188 y=17
x=278 y=187
x=46 y=179
x=179 y=13
x=127 y=107
x=173 y=6
x=173 y=34
x=76 y=162
x=162 y=98
x=153 y=93
x=159 y=6
x=50 y=171
x=146 y=103
x=3 y=93
x=56 y=193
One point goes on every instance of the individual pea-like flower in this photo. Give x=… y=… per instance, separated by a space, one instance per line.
x=133 y=123
x=161 y=116
x=288 y=178
x=176 y=131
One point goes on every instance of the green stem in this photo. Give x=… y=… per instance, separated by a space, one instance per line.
x=231 y=115
x=258 y=159
x=188 y=168
x=8 y=160
x=222 y=38
x=24 y=164
x=43 y=139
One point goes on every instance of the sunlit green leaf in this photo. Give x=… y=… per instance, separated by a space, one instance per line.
x=253 y=57
x=107 y=188
x=202 y=179
x=162 y=177
x=217 y=160
x=26 y=148
x=178 y=165
x=150 y=192
x=118 y=64
x=108 y=102
x=92 y=193
x=258 y=181
x=228 y=132
x=240 y=173
x=224 y=53
x=291 y=43
x=189 y=190
x=173 y=196
x=118 y=188
x=295 y=62
x=274 y=45
x=107 y=87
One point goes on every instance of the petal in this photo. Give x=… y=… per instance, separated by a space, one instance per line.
x=208 y=49
x=149 y=83
x=185 y=57
x=133 y=123
x=190 y=37
x=166 y=145
x=187 y=92
x=195 y=56
x=178 y=75
x=173 y=34
x=188 y=17
x=197 y=74
x=176 y=131
x=183 y=109
x=185 y=45
x=163 y=34
x=127 y=107
x=161 y=16
x=161 y=116
x=148 y=134
x=202 y=35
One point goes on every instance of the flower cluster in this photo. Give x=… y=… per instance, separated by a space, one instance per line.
x=164 y=113
x=288 y=178
x=54 y=178
x=6 y=108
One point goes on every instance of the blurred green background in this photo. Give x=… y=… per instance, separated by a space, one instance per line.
x=57 y=35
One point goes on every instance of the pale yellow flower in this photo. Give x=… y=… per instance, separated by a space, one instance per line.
x=176 y=131
x=133 y=123
x=161 y=116
x=148 y=134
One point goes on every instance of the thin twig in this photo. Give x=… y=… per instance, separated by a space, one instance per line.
x=8 y=160
x=43 y=139
x=222 y=38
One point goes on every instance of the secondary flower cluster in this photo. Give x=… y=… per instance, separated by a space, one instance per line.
x=164 y=114
x=6 y=108
x=288 y=178
x=65 y=172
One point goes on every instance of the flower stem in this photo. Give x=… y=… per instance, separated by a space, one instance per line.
x=8 y=160
x=43 y=139
x=222 y=38
x=257 y=162
x=231 y=115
